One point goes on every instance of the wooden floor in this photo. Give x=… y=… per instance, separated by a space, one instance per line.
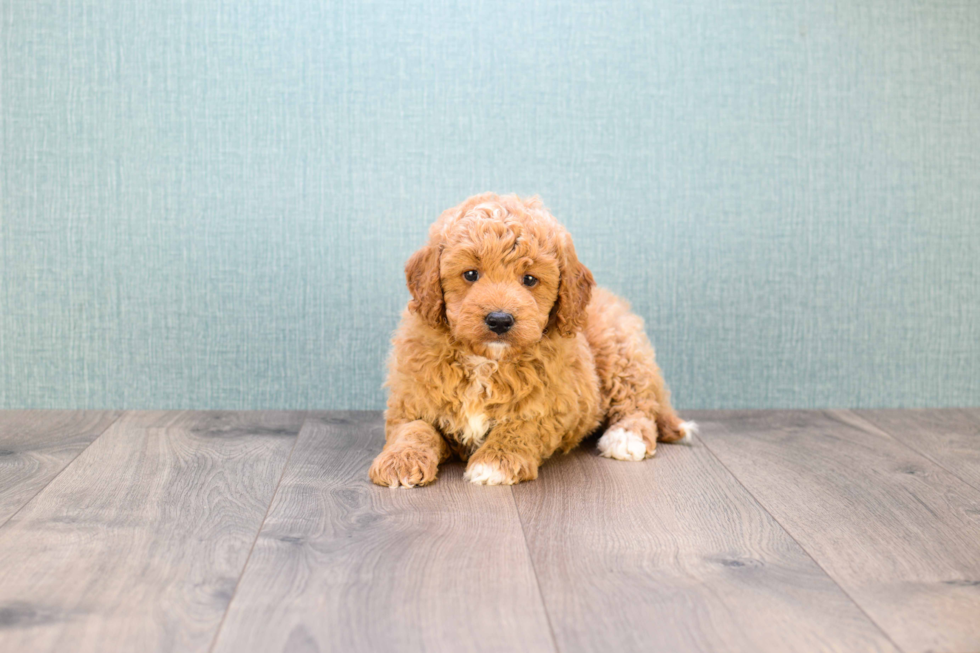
x=259 y=531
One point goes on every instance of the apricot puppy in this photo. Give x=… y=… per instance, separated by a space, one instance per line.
x=507 y=353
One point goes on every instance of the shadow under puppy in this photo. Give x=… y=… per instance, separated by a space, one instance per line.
x=508 y=352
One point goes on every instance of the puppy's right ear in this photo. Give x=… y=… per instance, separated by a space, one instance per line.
x=422 y=275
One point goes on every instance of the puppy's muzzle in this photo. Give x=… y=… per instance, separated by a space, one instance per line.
x=498 y=322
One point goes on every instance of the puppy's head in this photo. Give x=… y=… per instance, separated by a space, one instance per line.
x=499 y=273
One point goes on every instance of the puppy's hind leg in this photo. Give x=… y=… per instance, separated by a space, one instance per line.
x=633 y=437
x=637 y=400
x=673 y=429
x=635 y=427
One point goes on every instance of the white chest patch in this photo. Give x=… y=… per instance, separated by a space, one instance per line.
x=475 y=430
x=479 y=389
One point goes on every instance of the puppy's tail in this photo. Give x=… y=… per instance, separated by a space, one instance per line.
x=670 y=428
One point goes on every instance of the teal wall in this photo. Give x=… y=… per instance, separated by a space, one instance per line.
x=208 y=203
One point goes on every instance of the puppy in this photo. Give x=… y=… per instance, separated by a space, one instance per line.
x=507 y=353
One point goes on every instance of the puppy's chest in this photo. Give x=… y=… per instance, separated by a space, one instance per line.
x=476 y=402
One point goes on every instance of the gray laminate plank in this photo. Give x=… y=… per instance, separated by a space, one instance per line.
x=948 y=436
x=138 y=545
x=343 y=565
x=35 y=445
x=672 y=554
x=900 y=534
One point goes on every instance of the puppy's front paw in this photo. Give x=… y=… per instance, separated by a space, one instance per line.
x=621 y=444
x=487 y=474
x=405 y=467
x=494 y=468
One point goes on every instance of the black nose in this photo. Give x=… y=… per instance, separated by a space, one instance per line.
x=500 y=322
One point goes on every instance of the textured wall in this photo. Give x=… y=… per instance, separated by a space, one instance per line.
x=208 y=203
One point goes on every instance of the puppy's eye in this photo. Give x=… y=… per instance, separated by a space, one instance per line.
x=530 y=281
x=471 y=275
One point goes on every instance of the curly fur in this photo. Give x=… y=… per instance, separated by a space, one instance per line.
x=575 y=361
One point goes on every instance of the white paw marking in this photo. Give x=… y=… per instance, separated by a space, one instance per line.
x=689 y=429
x=486 y=474
x=622 y=445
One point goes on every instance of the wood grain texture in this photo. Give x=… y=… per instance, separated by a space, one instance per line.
x=898 y=533
x=344 y=565
x=949 y=437
x=35 y=445
x=139 y=544
x=672 y=554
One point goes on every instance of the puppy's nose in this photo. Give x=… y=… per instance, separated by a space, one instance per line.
x=499 y=322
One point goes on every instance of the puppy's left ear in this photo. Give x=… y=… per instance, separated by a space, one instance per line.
x=574 y=292
x=422 y=276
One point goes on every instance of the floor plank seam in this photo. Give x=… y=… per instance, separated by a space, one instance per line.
x=761 y=505
x=908 y=446
x=534 y=570
x=258 y=533
x=62 y=470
